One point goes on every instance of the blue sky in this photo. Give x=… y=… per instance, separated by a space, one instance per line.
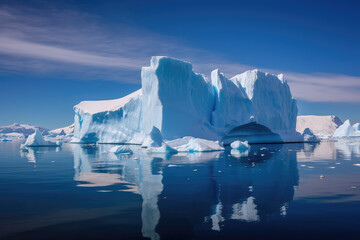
x=54 y=55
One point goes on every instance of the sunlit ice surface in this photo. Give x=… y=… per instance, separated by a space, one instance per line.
x=272 y=191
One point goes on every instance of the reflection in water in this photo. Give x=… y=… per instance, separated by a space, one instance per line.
x=348 y=148
x=245 y=211
x=34 y=154
x=136 y=175
x=207 y=195
x=233 y=186
x=325 y=151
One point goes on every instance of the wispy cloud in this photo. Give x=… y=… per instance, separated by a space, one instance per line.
x=46 y=42
x=22 y=48
x=321 y=87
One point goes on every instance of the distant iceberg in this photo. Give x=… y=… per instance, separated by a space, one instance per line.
x=37 y=140
x=323 y=127
x=179 y=103
x=346 y=130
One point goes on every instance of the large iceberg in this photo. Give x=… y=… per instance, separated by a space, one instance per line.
x=322 y=126
x=180 y=103
x=346 y=130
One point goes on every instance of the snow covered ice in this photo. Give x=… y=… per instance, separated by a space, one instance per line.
x=191 y=144
x=21 y=130
x=322 y=126
x=69 y=130
x=181 y=103
x=238 y=145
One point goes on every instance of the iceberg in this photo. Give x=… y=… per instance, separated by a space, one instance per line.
x=191 y=144
x=346 y=130
x=182 y=103
x=155 y=143
x=272 y=104
x=37 y=140
x=238 y=145
x=322 y=126
x=112 y=121
x=153 y=139
x=309 y=136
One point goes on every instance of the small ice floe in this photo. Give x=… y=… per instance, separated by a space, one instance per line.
x=332 y=167
x=242 y=146
x=337 y=163
x=303 y=165
x=251 y=188
x=262 y=155
x=263 y=148
x=219 y=171
x=195 y=170
x=172 y=165
x=310 y=167
x=135 y=159
x=353 y=187
x=322 y=176
x=357 y=164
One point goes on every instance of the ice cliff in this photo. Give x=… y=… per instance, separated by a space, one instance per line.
x=322 y=126
x=180 y=102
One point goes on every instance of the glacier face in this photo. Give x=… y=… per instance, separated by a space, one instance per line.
x=176 y=100
x=272 y=102
x=180 y=103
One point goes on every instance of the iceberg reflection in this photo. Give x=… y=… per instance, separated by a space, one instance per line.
x=207 y=189
x=348 y=148
x=34 y=154
x=95 y=166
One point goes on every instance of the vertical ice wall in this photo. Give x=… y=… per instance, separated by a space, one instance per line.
x=232 y=105
x=112 y=121
x=272 y=102
x=176 y=100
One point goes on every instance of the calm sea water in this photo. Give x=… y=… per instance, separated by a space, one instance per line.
x=279 y=191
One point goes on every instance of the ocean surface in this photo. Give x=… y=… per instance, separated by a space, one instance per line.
x=274 y=191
